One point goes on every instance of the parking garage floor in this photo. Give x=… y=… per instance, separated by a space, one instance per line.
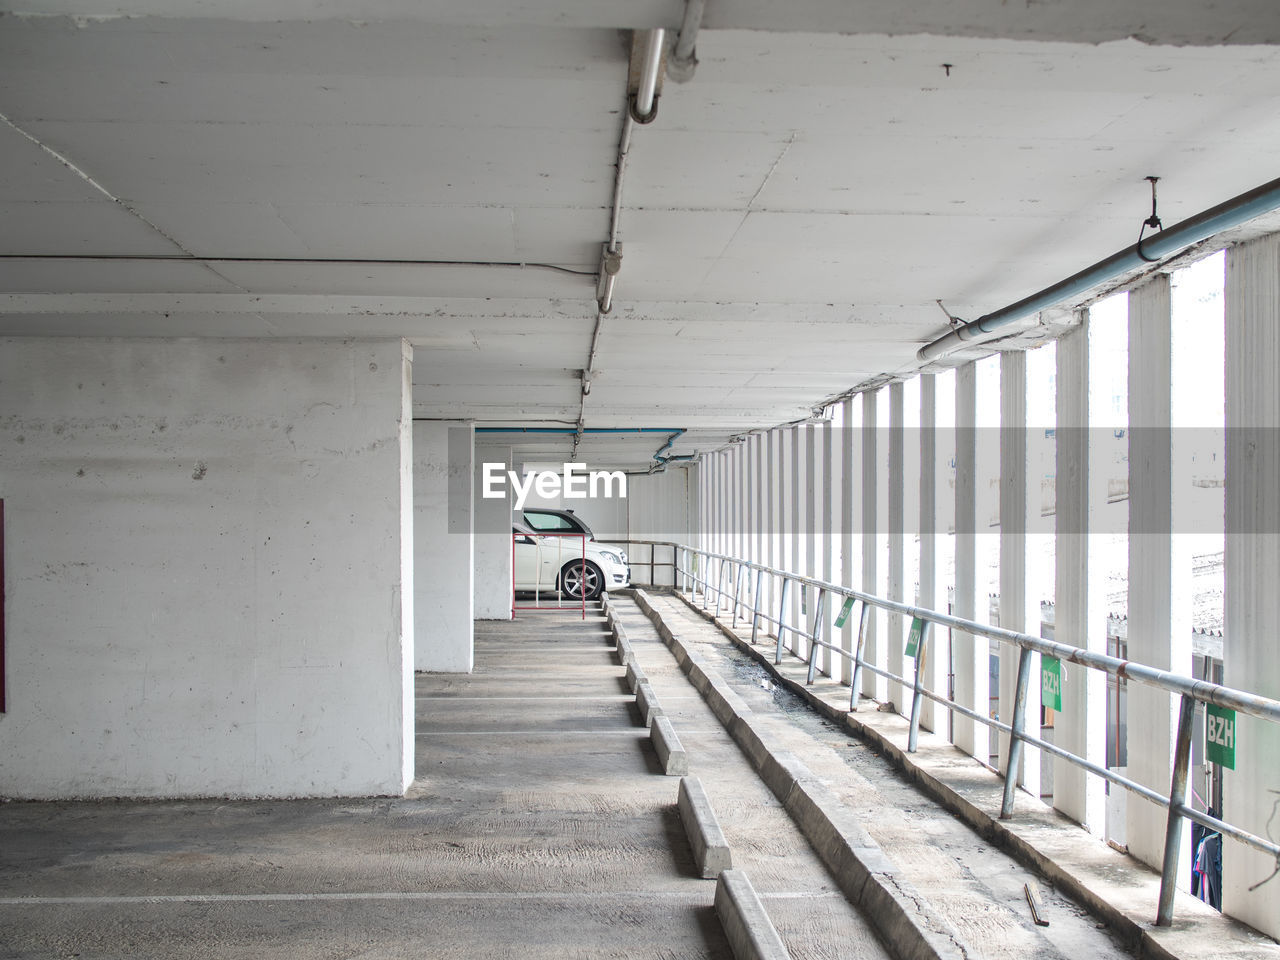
x=539 y=825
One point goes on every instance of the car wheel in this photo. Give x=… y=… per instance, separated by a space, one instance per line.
x=579 y=580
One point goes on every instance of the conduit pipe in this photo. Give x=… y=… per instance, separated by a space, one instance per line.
x=1231 y=213
x=684 y=60
x=644 y=107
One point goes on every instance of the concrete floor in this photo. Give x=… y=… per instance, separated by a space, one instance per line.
x=539 y=825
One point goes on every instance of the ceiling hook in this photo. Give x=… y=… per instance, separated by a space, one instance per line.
x=1152 y=221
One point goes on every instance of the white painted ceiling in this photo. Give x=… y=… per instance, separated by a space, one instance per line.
x=247 y=167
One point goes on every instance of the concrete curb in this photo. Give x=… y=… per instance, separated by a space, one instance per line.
x=623 y=652
x=635 y=676
x=647 y=703
x=675 y=762
x=868 y=878
x=751 y=934
x=710 y=849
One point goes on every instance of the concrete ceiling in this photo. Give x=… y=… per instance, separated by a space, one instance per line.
x=445 y=172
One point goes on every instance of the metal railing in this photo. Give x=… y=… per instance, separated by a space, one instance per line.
x=652 y=563
x=732 y=578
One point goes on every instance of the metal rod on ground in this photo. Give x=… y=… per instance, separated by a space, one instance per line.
x=856 y=680
x=1177 y=797
x=755 y=610
x=737 y=592
x=815 y=636
x=917 y=690
x=1015 y=738
x=782 y=618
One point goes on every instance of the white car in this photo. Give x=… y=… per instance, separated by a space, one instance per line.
x=561 y=563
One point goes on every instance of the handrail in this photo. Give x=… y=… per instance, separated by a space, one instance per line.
x=1190 y=690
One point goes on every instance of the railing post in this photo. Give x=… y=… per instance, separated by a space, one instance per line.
x=723 y=569
x=755 y=609
x=782 y=616
x=1015 y=738
x=1177 y=797
x=706 y=585
x=815 y=635
x=856 y=680
x=737 y=592
x=917 y=695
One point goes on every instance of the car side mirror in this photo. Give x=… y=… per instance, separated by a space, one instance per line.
x=528 y=540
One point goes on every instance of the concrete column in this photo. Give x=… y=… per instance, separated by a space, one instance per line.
x=210 y=567
x=1080 y=617
x=872 y=685
x=492 y=543
x=969 y=653
x=768 y=486
x=1159 y=563
x=811 y=515
x=799 y=482
x=1023 y=579
x=848 y=522
x=1253 y=568
x=444 y=558
x=931 y=595
x=897 y=545
x=786 y=493
x=826 y=535
x=758 y=496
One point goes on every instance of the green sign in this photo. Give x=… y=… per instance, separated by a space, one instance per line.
x=1051 y=683
x=845 y=611
x=804 y=600
x=1220 y=736
x=914 y=637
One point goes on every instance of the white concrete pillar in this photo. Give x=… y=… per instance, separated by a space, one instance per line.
x=826 y=538
x=760 y=527
x=969 y=653
x=1023 y=578
x=771 y=487
x=492 y=542
x=786 y=493
x=872 y=685
x=799 y=482
x=895 y=639
x=1080 y=617
x=846 y=457
x=444 y=539
x=811 y=518
x=1253 y=568
x=1159 y=564
x=931 y=595
x=210 y=567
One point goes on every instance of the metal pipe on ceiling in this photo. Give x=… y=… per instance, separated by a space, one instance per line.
x=646 y=98
x=1230 y=213
x=684 y=60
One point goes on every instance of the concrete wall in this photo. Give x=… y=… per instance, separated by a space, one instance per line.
x=493 y=596
x=444 y=560
x=206 y=567
x=659 y=506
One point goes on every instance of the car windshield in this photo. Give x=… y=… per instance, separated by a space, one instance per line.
x=553 y=521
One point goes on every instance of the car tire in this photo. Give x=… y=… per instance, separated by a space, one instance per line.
x=573 y=580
